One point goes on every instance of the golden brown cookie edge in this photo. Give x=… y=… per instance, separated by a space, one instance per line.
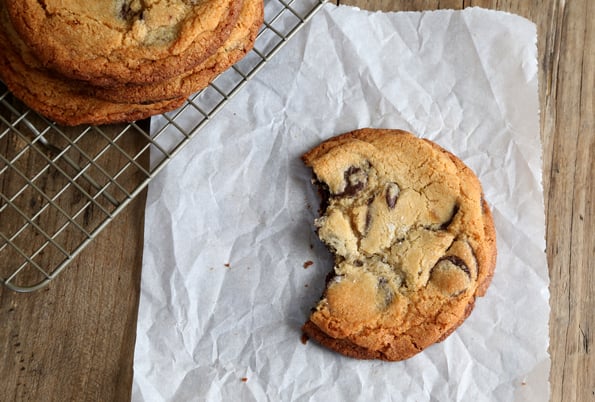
x=486 y=259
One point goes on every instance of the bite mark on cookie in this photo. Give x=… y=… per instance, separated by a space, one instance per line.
x=404 y=226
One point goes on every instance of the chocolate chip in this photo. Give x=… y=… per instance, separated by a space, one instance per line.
x=385 y=292
x=475 y=268
x=392 y=194
x=369 y=215
x=128 y=14
x=324 y=193
x=125 y=11
x=456 y=261
x=355 y=179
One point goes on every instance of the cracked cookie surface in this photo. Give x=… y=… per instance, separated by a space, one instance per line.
x=413 y=240
x=64 y=101
x=110 y=42
x=240 y=42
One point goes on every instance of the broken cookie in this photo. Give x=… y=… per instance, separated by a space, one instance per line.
x=413 y=242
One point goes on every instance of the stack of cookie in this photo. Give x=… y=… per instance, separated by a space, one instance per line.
x=110 y=61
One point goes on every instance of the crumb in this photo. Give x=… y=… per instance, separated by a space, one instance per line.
x=244 y=379
x=227 y=264
x=308 y=263
x=304 y=338
x=524 y=383
x=306 y=285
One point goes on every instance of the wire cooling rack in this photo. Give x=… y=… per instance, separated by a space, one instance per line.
x=58 y=190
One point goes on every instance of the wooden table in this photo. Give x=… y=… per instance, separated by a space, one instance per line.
x=74 y=340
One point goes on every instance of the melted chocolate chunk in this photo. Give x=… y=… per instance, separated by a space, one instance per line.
x=356 y=180
x=128 y=14
x=456 y=261
x=324 y=193
x=385 y=292
x=392 y=194
x=368 y=215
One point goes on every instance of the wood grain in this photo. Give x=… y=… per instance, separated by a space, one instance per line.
x=74 y=339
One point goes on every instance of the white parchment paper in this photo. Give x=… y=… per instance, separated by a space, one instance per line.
x=229 y=222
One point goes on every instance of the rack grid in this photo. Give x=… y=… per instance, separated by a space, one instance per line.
x=58 y=190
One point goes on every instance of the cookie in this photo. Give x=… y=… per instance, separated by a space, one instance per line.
x=413 y=241
x=240 y=42
x=64 y=101
x=113 y=42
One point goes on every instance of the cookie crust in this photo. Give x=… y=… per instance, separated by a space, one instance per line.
x=413 y=239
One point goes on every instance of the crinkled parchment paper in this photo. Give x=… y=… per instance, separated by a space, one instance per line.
x=225 y=284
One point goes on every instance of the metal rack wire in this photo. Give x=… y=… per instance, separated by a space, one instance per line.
x=57 y=189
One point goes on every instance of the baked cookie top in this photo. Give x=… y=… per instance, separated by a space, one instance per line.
x=413 y=240
x=64 y=101
x=240 y=42
x=107 y=42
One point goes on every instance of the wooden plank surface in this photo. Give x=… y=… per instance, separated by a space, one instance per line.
x=74 y=339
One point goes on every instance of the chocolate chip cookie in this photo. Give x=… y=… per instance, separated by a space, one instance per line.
x=64 y=101
x=413 y=240
x=240 y=42
x=114 y=42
